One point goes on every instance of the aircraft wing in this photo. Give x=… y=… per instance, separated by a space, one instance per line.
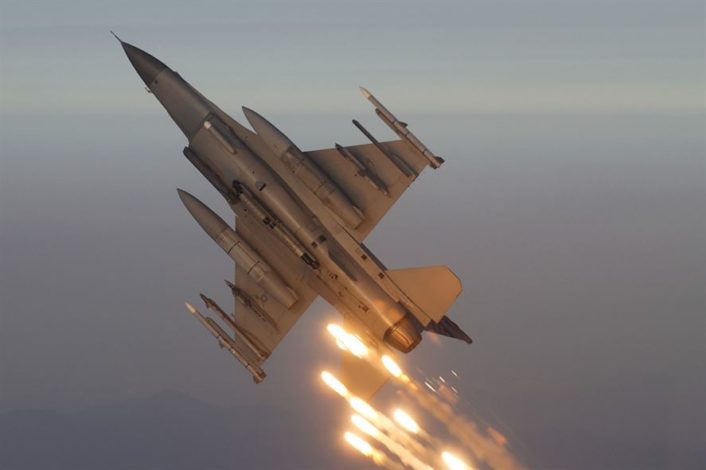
x=359 y=184
x=262 y=317
x=373 y=176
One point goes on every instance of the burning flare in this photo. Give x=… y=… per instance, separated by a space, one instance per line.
x=364 y=425
x=391 y=366
x=335 y=384
x=347 y=341
x=453 y=462
x=358 y=443
x=403 y=442
x=406 y=421
x=362 y=408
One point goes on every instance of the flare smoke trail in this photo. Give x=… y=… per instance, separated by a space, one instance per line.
x=483 y=447
x=407 y=441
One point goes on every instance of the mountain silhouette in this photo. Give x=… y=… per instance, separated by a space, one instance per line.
x=168 y=430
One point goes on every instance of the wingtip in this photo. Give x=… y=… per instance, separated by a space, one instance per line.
x=190 y=307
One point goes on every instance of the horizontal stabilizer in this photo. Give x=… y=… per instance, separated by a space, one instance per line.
x=448 y=327
x=433 y=289
x=360 y=377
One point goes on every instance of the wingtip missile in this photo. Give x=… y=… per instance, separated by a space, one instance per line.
x=400 y=128
x=400 y=163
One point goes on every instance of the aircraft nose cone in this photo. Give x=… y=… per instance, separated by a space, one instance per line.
x=147 y=66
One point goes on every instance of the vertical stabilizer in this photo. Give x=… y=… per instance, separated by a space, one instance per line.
x=433 y=289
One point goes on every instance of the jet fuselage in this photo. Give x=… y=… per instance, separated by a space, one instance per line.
x=235 y=164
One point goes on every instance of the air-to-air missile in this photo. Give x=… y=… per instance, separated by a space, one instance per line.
x=400 y=128
x=301 y=219
x=225 y=341
x=362 y=170
x=242 y=334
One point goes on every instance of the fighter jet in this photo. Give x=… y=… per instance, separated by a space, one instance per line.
x=300 y=221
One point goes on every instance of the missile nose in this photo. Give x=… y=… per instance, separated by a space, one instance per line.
x=190 y=307
x=146 y=65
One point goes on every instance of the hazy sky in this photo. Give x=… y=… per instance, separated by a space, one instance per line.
x=571 y=203
x=460 y=56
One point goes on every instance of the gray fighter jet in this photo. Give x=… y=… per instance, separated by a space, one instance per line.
x=301 y=218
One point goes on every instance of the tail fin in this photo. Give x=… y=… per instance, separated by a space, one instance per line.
x=433 y=289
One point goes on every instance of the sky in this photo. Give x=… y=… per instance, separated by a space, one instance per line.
x=570 y=204
x=429 y=56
